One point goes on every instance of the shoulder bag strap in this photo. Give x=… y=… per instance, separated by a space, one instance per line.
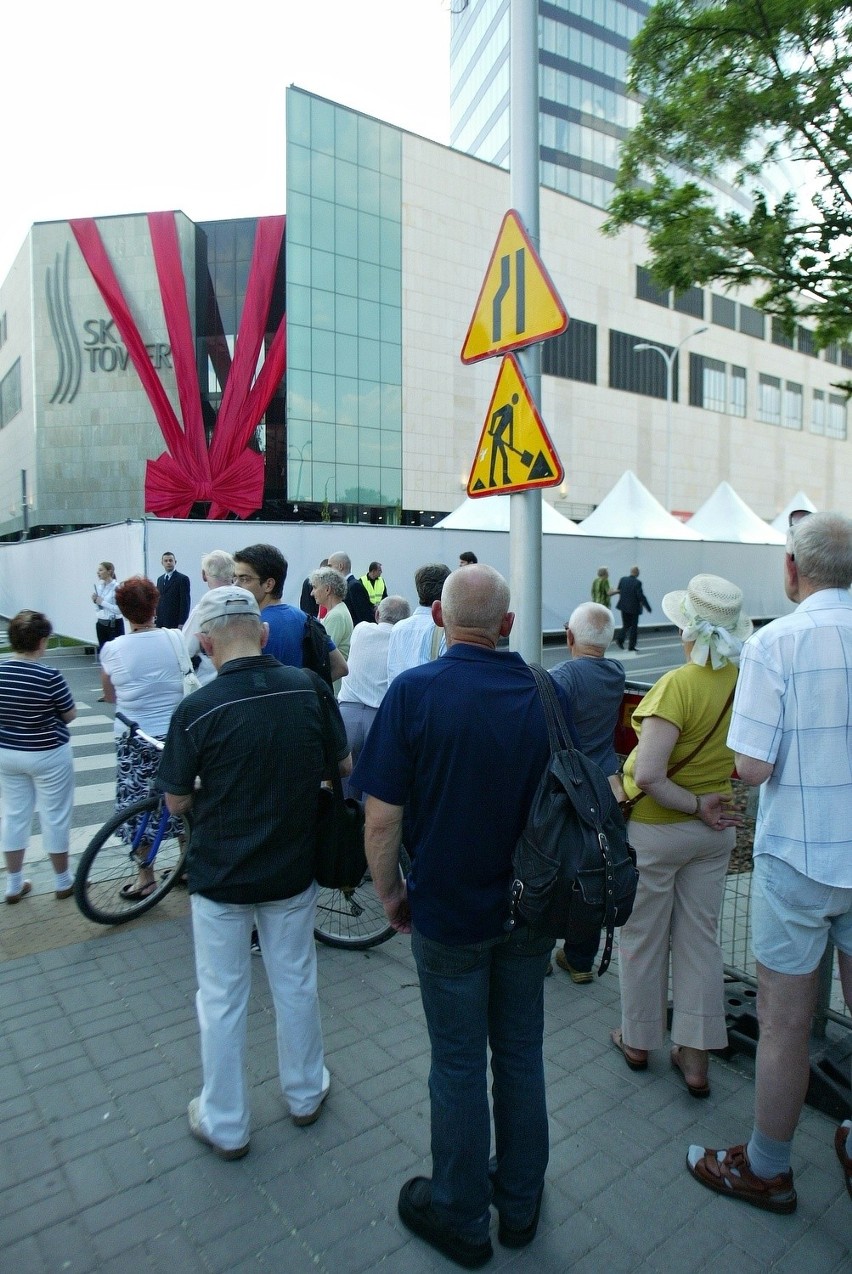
x=328 y=747
x=180 y=650
x=634 y=800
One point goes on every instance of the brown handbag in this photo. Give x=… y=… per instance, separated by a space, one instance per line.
x=629 y=805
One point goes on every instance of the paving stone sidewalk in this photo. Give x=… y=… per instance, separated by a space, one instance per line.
x=98 y=1172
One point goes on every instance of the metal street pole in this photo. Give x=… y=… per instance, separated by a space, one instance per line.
x=668 y=357
x=525 y=506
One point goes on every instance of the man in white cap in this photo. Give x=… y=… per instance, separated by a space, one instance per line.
x=791 y=733
x=251 y=857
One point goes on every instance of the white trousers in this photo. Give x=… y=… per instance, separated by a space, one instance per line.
x=222 y=933
x=682 y=870
x=45 y=778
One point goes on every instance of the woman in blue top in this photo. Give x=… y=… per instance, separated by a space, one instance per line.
x=36 y=766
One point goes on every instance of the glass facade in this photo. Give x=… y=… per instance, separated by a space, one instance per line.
x=344 y=307
x=584 y=108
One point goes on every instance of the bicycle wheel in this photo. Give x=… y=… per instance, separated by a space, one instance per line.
x=135 y=835
x=354 y=918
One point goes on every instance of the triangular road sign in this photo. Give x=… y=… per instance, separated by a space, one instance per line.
x=514 y=451
x=518 y=304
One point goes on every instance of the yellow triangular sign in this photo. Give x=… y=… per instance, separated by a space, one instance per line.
x=518 y=304
x=514 y=451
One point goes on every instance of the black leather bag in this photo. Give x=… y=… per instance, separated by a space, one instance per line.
x=340 y=862
x=574 y=870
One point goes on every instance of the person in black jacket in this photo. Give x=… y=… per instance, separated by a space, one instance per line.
x=173 y=606
x=631 y=602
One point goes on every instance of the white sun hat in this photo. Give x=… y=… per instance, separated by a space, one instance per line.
x=709 y=613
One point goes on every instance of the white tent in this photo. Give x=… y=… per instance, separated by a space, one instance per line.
x=724 y=516
x=799 y=501
x=631 y=512
x=491 y=513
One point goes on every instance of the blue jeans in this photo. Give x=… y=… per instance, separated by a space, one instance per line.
x=486 y=993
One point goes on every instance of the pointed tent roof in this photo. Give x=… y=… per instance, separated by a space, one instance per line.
x=491 y=513
x=724 y=516
x=799 y=501
x=631 y=512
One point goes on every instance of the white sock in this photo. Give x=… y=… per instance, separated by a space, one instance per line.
x=64 y=879
x=14 y=882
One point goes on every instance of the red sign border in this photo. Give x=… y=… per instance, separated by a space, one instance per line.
x=507 y=346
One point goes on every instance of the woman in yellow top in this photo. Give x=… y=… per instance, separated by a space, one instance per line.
x=682 y=829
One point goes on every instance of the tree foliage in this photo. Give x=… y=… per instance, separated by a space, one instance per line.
x=728 y=89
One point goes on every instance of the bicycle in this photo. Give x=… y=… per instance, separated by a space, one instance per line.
x=134 y=838
x=354 y=918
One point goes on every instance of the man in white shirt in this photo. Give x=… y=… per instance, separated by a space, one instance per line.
x=416 y=640
x=363 y=689
x=791 y=731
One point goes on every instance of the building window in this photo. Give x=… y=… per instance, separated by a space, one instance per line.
x=831 y=353
x=690 y=302
x=836 y=423
x=780 y=335
x=724 y=311
x=716 y=386
x=4 y=331
x=573 y=355
x=752 y=322
x=817 y=425
x=639 y=371
x=10 y=394
x=846 y=356
x=647 y=290
x=769 y=399
x=805 y=341
x=793 y=405
x=737 y=391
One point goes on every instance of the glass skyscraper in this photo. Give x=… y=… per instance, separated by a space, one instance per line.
x=584 y=108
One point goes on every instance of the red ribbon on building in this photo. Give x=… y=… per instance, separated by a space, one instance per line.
x=229 y=475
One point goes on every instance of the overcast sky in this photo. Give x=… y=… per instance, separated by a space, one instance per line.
x=136 y=107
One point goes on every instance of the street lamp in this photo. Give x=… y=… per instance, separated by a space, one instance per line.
x=668 y=357
x=301 y=454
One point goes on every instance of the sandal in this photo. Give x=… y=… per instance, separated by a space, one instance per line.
x=635 y=1058
x=133 y=894
x=695 y=1090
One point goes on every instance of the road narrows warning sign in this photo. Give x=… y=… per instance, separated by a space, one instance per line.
x=518 y=304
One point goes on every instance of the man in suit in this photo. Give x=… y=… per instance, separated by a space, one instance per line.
x=631 y=602
x=173 y=606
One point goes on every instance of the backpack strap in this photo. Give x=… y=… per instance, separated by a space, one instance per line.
x=557 y=729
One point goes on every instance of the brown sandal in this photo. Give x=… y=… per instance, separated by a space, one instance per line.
x=695 y=1090
x=635 y=1058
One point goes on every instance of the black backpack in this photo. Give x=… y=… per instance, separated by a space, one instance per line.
x=574 y=871
x=315 y=653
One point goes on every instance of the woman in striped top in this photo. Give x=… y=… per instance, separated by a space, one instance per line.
x=36 y=766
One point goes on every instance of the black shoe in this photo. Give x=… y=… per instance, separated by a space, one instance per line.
x=511 y=1237
x=415 y=1211
x=619 y=644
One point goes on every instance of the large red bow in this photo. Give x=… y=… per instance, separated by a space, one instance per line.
x=229 y=475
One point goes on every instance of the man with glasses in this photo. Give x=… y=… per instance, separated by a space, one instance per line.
x=262 y=570
x=251 y=858
x=791 y=731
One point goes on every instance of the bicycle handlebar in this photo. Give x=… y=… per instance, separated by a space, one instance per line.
x=137 y=733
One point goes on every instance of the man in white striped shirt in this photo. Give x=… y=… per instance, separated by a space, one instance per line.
x=791 y=731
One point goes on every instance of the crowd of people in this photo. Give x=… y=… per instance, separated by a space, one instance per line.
x=427 y=719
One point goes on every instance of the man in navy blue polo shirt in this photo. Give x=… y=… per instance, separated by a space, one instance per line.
x=459 y=745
